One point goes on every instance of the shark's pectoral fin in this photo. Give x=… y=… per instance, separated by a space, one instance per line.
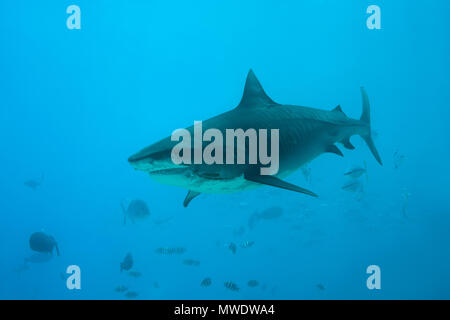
x=347 y=144
x=191 y=195
x=275 y=182
x=333 y=149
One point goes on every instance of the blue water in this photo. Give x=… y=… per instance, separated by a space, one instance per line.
x=75 y=104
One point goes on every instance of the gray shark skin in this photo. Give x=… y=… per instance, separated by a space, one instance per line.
x=304 y=134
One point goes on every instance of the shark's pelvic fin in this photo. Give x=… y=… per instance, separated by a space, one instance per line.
x=191 y=195
x=347 y=144
x=275 y=182
x=254 y=94
x=333 y=149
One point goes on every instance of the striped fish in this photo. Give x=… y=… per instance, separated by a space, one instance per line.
x=170 y=251
x=191 y=262
x=247 y=244
x=206 y=282
x=231 y=286
x=232 y=247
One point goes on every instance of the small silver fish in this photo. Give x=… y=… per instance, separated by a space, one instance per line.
x=34 y=183
x=170 y=251
x=253 y=283
x=247 y=244
x=232 y=247
x=191 y=262
x=131 y=294
x=271 y=213
x=134 y=274
x=268 y=214
x=353 y=186
x=121 y=289
x=127 y=263
x=355 y=172
x=398 y=159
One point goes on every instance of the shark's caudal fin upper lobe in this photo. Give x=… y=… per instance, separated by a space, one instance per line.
x=365 y=117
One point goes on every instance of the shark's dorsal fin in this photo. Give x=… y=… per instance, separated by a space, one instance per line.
x=276 y=182
x=191 y=195
x=254 y=94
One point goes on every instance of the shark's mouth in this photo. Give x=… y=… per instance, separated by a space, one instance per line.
x=170 y=171
x=188 y=173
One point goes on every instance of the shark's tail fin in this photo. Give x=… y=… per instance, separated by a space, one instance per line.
x=365 y=117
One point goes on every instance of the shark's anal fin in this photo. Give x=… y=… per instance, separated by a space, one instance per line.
x=333 y=149
x=191 y=195
x=347 y=144
x=275 y=182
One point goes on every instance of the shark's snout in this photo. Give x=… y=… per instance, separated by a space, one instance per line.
x=140 y=157
x=141 y=160
x=147 y=155
x=151 y=160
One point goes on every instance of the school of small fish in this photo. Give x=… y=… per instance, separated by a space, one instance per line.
x=137 y=210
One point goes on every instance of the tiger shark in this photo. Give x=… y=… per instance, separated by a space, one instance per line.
x=304 y=134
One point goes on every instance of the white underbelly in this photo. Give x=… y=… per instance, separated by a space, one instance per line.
x=203 y=185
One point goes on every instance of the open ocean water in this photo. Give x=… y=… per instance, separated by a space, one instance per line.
x=76 y=103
